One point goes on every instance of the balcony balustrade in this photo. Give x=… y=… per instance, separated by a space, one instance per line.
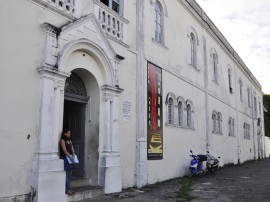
x=111 y=23
x=66 y=7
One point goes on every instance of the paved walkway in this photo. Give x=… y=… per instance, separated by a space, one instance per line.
x=249 y=182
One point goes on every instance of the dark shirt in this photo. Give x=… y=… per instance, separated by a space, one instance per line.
x=68 y=145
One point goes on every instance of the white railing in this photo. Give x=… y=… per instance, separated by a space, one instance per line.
x=65 y=6
x=110 y=22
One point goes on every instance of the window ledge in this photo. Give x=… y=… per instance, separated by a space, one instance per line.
x=159 y=44
x=179 y=127
x=217 y=133
x=215 y=81
x=196 y=68
x=169 y=125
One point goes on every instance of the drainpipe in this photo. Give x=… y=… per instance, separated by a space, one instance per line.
x=206 y=95
x=237 y=121
x=252 y=118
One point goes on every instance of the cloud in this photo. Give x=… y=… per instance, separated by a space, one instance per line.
x=246 y=26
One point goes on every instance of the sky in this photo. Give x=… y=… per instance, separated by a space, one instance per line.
x=246 y=26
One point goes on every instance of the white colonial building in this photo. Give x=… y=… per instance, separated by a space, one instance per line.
x=138 y=82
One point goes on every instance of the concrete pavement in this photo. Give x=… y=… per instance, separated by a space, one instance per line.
x=249 y=182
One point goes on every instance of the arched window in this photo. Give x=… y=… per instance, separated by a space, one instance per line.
x=159 y=22
x=255 y=108
x=241 y=89
x=230 y=80
x=188 y=116
x=215 y=66
x=214 y=118
x=219 y=120
x=214 y=63
x=231 y=126
x=193 y=50
x=248 y=97
x=170 y=111
x=180 y=113
x=75 y=89
x=260 y=110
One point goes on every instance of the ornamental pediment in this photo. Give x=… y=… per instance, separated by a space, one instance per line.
x=86 y=28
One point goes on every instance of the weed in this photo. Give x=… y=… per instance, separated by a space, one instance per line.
x=183 y=194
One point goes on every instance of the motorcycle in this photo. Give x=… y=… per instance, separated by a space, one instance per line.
x=196 y=164
x=212 y=163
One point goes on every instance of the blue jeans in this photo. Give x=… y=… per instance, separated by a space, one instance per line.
x=68 y=175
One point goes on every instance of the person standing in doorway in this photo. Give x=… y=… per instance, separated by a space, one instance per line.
x=67 y=150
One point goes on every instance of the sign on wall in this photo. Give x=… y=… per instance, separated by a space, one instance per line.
x=126 y=110
x=154 y=113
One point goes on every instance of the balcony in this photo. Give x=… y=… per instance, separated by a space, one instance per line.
x=111 y=22
x=64 y=7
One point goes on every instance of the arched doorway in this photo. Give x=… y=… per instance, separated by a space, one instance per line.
x=74 y=116
x=98 y=72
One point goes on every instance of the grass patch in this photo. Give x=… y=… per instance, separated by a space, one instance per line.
x=183 y=194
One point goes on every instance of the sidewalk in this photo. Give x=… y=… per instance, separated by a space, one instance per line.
x=249 y=182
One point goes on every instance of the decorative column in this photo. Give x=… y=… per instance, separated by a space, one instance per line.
x=109 y=166
x=47 y=174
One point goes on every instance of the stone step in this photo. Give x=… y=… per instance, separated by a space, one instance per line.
x=85 y=192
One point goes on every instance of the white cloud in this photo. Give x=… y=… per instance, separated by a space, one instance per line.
x=246 y=26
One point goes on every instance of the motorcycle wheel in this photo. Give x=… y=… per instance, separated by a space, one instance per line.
x=190 y=173
x=215 y=169
x=201 y=174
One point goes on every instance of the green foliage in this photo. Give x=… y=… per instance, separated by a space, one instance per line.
x=266 y=104
x=184 y=192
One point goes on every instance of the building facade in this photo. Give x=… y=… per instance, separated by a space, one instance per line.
x=138 y=82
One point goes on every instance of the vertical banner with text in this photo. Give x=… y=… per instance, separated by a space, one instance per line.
x=154 y=113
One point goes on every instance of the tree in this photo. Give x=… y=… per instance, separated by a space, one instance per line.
x=266 y=103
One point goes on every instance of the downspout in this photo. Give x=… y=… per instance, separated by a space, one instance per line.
x=206 y=94
x=252 y=118
x=237 y=131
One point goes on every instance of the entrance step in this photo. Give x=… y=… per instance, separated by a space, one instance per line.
x=79 y=182
x=85 y=192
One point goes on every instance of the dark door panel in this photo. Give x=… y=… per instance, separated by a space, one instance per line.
x=74 y=119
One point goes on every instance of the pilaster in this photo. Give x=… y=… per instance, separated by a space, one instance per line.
x=141 y=140
x=51 y=44
x=110 y=170
x=47 y=166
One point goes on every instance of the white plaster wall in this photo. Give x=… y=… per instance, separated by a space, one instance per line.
x=223 y=145
x=127 y=81
x=81 y=59
x=174 y=54
x=178 y=141
x=21 y=40
x=220 y=89
x=246 y=145
x=127 y=138
x=173 y=57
